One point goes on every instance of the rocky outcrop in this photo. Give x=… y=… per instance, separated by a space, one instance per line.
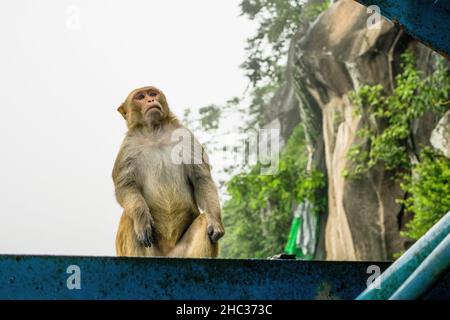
x=440 y=137
x=337 y=54
x=283 y=112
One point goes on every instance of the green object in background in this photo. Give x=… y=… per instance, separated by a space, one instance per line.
x=291 y=246
x=301 y=256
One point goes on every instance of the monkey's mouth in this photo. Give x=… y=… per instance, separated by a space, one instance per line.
x=152 y=107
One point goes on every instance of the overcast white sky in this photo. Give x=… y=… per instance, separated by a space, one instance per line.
x=60 y=85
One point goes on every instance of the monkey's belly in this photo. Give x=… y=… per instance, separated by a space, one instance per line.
x=170 y=200
x=167 y=192
x=173 y=212
x=166 y=189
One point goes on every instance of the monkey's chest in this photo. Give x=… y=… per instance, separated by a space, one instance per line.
x=164 y=183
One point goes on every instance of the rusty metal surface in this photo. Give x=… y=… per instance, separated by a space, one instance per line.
x=45 y=277
x=426 y=20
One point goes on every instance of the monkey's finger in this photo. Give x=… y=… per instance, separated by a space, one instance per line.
x=143 y=239
x=148 y=238
x=147 y=243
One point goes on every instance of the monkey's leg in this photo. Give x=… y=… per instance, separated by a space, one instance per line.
x=127 y=243
x=195 y=242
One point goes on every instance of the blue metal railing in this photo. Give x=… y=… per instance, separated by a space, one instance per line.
x=49 y=277
x=416 y=271
x=427 y=274
x=46 y=277
x=426 y=20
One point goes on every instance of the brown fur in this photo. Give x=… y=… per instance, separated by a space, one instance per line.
x=162 y=200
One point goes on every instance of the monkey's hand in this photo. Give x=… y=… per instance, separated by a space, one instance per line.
x=215 y=229
x=143 y=226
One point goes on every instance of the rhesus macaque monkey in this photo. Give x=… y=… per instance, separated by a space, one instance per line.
x=162 y=196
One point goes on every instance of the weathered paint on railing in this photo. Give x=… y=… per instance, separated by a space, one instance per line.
x=45 y=277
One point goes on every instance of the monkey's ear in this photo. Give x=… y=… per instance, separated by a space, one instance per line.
x=122 y=111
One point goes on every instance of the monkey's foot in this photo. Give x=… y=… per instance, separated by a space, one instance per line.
x=215 y=229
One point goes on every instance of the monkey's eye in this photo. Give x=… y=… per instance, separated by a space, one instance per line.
x=140 y=96
x=152 y=94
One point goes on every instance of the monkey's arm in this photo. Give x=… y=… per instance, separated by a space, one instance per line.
x=207 y=197
x=130 y=198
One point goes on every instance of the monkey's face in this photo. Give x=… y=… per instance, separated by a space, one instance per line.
x=148 y=101
x=147 y=106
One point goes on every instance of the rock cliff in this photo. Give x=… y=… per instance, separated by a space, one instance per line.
x=329 y=58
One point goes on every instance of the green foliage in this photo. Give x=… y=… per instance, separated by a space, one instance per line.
x=278 y=21
x=209 y=117
x=260 y=98
x=259 y=211
x=313 y=10
x=338 y=118
x=359 y=157
x=429 y=190
x=387 y=120
x=265 y=65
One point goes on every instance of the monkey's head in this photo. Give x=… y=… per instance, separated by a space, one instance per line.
x=146 y=107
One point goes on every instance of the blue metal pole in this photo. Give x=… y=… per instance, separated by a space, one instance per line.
x=433 y=268
x=400 y=270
